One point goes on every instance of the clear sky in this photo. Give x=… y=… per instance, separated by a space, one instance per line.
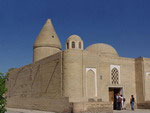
x=124 y=24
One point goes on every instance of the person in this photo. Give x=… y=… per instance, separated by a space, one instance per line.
x=121 y=102
x=115 y=102
x=124 y=105
x=132 y=100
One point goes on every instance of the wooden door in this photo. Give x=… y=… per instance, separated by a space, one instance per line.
x=111 y=95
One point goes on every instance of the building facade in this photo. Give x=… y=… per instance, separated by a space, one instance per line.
x=58 y=77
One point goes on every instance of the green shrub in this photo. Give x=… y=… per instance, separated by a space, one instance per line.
x=3 y=90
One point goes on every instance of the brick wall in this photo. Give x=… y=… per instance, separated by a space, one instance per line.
x=92 y=107
x=38 y=86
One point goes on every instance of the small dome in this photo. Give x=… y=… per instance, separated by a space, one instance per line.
x=74 y=42
x=74 y=37
x=47 y=37
x=102 y=49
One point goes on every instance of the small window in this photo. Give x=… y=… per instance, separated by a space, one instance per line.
x=73 y=44
x=52 y=36
x=80 y=45
x=115 y=76
x=67 y=45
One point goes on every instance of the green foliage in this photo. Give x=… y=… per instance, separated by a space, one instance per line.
x=10 y=69
x=3 y=90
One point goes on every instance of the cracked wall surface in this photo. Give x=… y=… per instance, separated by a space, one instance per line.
x=38 y=86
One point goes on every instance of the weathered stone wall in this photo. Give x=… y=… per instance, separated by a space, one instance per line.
x=72 y=75
x=146 y=76
x=145 y=105
x=92 y=107
x=43 y=52
x=142 y=82
x=126 y=76
x=139 y=80
x=58 y=105
x=38 y=86
x=91 y=63
x=102 y=65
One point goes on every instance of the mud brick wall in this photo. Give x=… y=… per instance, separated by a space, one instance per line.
x=93 y=107
x=38 y=86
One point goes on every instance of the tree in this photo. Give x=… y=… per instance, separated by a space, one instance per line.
x=3 y=89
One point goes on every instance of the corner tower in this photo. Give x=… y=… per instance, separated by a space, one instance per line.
x=47 y=42
x=73 y=69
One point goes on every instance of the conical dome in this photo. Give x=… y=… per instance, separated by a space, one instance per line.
x=47 y=42
x=47 y=37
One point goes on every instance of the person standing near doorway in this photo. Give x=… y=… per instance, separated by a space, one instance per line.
x=122 y=103
x=132 y=100
x=119 y=102
x=115 y=101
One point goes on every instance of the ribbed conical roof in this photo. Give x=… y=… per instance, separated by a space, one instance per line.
x=47 y=37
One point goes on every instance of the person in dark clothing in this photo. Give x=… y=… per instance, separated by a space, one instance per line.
x=124 y=105
x=115 y=102
x=132 y=100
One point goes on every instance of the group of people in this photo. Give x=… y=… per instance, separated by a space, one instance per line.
x=119 y=102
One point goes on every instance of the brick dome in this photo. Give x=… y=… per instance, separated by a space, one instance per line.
x=102 y=49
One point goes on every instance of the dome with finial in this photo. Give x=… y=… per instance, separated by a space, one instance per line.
x=47 y=37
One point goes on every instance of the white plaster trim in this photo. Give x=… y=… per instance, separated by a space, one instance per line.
x=114 y=66
x=94 y=70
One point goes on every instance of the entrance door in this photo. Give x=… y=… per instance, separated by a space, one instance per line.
x=112 y=93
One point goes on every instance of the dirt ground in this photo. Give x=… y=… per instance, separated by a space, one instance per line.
x=10 y=110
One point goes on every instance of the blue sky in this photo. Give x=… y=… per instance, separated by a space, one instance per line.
x=124 y=24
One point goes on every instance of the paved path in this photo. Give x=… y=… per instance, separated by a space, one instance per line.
x=10 y=110
x=136 y=111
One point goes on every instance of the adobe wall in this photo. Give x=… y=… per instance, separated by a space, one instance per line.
x=102 y=66
x=91 y=67
x=139 y=80
x=38 y=86
x=72 y=75
x=146 y=77
x=142 y=82
x=43 y=52
x=127 y=75
x=92 y=107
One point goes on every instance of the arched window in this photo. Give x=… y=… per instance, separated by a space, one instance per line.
x=91 y=89
x=67 y=45
x=79 y=45
x=73 y=44
x=114 y=76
